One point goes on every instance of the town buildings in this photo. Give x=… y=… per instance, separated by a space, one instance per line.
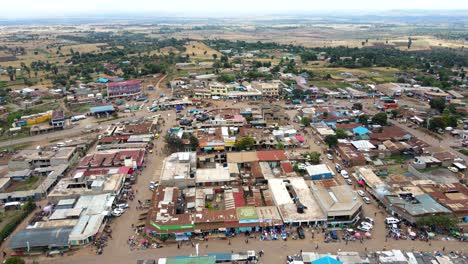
x=123 y=89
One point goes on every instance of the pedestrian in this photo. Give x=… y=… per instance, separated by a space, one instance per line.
x=365 y=249
x=443 y=249
x=300 y=251
x=4 y=254
x=375 y=213
x=316 y=246
x=206 y=245
x=229 y=242
x=178 y=245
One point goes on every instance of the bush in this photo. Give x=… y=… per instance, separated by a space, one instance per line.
x=14 y=260
x=11 y=226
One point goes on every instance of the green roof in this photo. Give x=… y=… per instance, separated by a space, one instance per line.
x=246 y=213
x=191 y=260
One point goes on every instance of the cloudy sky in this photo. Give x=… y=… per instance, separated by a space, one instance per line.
x=59 y=8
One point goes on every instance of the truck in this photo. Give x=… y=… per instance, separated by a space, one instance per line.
x=77 y=118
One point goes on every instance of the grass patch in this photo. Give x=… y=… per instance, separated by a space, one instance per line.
x=29 y=184
x=464 y=152
x=395 y=159
x=82 y=108
x=16 y=147
x=429 y=169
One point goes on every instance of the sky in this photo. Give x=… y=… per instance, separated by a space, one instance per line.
x=60 y=8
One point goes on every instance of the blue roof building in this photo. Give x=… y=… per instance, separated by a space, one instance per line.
x=360 y=130
x=102 y=109
x=102 y=80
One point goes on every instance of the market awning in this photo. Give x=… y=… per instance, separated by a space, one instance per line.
x=459 y=166
x=300 y=138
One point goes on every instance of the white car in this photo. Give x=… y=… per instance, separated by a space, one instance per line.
x=344 y=174
x=453 y=169
x=367 y=224
x=361 y=193
x=363 y=228
x=391 y=220
x=366 y=199
x=329 y=156
x=369 y=220
x=122 y=206
x=349 y=181
x=117 y=212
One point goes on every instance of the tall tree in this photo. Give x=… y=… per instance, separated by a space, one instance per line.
x=380 y=119
x=331 y=140
x=244 y=143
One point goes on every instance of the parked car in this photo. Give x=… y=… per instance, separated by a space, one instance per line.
x=300 y=232
x=453 y=169
x=361 y=193
x=122 y=206
x=338 y=168
x=363 y=228
x=344 y=174
x=367 y=224
x=329 y=156
x=369 y=220
x=391 y=220
x=334 y=235
x=366 y=199
x=349 y=181
x=117 y=212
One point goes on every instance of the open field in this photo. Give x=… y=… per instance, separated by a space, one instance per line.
x=198 y=50
x=82 y=48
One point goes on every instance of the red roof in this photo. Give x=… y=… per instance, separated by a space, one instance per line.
x=239 y=198
x=126 y=83
x=287 y=167
x=271 y=155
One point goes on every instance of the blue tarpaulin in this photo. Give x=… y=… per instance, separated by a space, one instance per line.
x=326 y=260
x=360 y=130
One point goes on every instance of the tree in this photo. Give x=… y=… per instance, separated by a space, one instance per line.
x=439 y=221
x=244 y=143
x=306 y=121
x=193 y=140
x=451 y=109
x=450 y=120
x=380 y=119
x=215 y=56
x=436 y=123
x=438 y=104
x=394 y=113
x=280 y=145
x=331 y=140
x=173 y=143
x=341 y=133
x=226 y=78
x=313 y=157
x=14 y=260
x=357 y=106
x=363 y=119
